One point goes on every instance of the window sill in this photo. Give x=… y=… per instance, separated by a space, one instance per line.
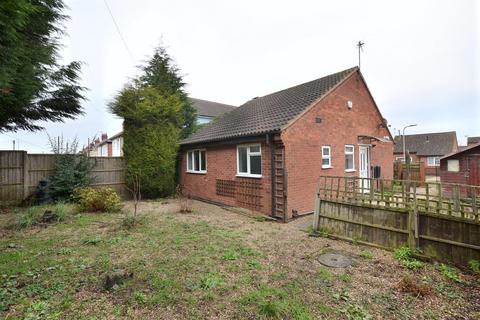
x=350 y=170
x=327 y=167
x=197 y=172
x=255 y=176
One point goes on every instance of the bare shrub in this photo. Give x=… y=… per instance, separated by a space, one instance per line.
x=135 y=189
x=185 y=199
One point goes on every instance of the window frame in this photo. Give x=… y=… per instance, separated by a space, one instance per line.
x=192 y=170
x=451 y=161
x=350 y=153
x=435 y=163
x=329 y=157
x=248 y=174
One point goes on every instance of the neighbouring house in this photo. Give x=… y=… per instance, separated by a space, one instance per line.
x=427 y=148
x=113 y=146
x=209 y=110
x=268 y=154
x=462 y=167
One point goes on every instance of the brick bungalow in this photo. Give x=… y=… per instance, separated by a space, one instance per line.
x=267 y=154
x=427 y=148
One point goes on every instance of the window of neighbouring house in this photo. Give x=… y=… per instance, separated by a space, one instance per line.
x=326 y=157
x=453 y=165
x=197 y=161
x=349 y=157
x=249 y=160
x=433 y=161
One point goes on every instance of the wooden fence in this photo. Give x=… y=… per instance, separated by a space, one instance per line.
x=417 y=171
x=442 y=220
x=21 y=172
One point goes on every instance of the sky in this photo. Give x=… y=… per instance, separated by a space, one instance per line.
x=420 y=58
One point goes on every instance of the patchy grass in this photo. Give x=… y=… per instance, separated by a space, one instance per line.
x=211 y=263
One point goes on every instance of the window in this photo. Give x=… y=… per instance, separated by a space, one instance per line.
x=433 y=161
x=197 y=161
x=326 y=157
x=453 y=165
x=249 y=160
x=349 y=157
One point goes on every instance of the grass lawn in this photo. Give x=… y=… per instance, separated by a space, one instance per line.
x=209 y=264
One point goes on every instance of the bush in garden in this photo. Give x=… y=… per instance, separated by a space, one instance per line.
x=71 y=169
x=97 y=200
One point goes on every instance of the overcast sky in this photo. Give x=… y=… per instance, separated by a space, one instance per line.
x=421 y=58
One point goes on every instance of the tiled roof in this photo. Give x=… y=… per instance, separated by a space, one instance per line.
x=210 y=108
x=269 y=113
x=427 y=144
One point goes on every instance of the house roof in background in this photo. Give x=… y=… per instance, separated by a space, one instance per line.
x=269 y=113
x=210 y=108
x=473 y=140
x=427 y=144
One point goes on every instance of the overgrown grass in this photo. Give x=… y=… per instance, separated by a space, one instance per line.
x=32 y=216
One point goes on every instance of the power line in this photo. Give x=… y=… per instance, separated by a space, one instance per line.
x=118 y=30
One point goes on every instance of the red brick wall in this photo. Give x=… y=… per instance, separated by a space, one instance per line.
x=222 y=164
x=339 y=126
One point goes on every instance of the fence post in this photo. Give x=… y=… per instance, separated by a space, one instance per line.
x=316 y=214
x=25 y=175
x=413 y=221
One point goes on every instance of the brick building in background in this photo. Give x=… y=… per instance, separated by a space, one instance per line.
x=427 y=148
x=268 y=154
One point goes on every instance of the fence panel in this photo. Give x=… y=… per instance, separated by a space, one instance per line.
x=440 y=219
x=20 y=174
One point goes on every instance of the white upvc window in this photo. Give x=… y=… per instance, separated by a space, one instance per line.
x=326 y=157
x=249 y=160
x=453 y=165
x=433 y=161
x=197 y=161
x=349 y=157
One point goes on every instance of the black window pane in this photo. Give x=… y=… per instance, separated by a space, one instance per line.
x=196 y=161
x=242 y=160
x=255 y=164
x=203 y=161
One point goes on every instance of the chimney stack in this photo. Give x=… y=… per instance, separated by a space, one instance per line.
x=104 y=136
